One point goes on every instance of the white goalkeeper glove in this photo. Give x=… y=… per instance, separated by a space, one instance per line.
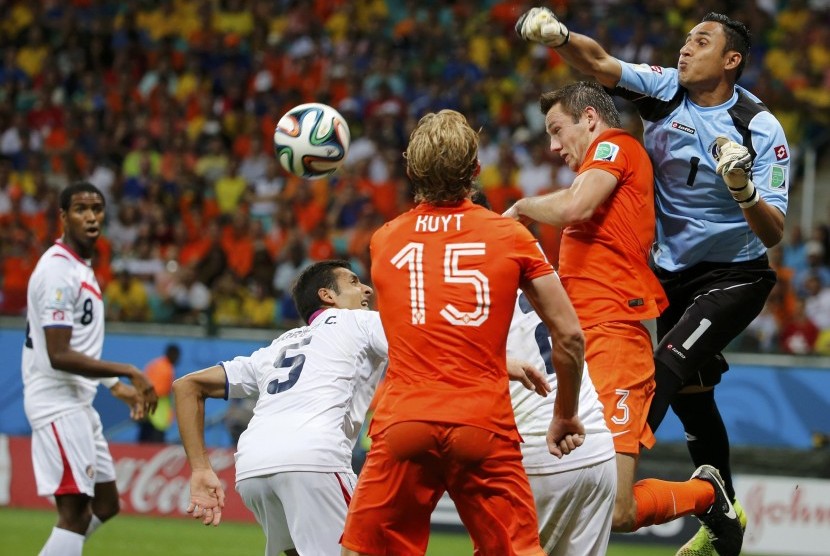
x=734 y=164
x=542 y=26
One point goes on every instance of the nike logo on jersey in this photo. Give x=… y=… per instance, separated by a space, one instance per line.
x=683 y=127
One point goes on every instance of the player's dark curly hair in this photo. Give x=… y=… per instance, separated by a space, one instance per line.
x=77 y=187
x=308 y=284
x=738 y=37
x=576 y=97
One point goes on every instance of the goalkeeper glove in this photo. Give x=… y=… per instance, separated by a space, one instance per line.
x=734 y=164
x=542 y=26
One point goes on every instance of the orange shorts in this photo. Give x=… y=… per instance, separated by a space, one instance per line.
x=621 y=364
x=411 y=465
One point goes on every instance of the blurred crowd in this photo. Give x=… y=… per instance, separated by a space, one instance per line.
x=169 y=107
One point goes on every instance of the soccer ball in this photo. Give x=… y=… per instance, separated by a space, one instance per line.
x=311 y=140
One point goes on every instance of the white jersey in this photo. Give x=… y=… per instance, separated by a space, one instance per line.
x=314 y=385
x=63 y=292
x=529 y=340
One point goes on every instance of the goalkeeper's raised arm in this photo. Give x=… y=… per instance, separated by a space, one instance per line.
x=579 y=51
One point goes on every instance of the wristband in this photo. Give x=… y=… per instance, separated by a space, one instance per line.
x=753 y=197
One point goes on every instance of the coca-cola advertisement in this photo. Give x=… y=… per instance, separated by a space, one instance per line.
x=152 y=479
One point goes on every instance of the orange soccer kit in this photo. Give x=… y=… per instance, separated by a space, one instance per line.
x=603 y=264
x=446 y=279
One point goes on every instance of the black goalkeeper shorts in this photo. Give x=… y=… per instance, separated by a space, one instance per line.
x=709 y=305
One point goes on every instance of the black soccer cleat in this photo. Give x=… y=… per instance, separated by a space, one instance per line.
x=721 y=521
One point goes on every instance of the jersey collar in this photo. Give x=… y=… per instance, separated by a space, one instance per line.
x=316 y=314
x=59 y=243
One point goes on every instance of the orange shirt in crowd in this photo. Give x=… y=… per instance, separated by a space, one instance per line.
x=445 y=280
x=603 y=262
x=160 y=373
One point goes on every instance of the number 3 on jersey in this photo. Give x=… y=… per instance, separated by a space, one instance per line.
x=412 y=257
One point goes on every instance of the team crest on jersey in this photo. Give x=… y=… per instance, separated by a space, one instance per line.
x=714 y=150
x=683 y=127
x=781 y=152
x=58 y=315
x=90 y=471
x=778 y=177
x=606 y=151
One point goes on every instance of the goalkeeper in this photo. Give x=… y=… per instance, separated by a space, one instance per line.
x=721 y=173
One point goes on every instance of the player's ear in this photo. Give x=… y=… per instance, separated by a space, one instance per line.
x=732 y=60
x=326 y=296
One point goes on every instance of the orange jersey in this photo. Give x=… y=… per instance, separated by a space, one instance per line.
x=445 y=280
x=603 y=262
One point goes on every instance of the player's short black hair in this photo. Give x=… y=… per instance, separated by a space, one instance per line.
x=78 y=187
x=480 y=199
x=576 y=97
x=738 y=37
x=308 y=283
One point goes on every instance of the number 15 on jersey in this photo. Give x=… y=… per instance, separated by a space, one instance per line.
x=412 y=257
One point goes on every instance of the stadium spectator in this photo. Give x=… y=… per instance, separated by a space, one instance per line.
x=699 y=269
x=127 y=298
x=799 y=335
x=298 y=488
x=444 y=421
x=61 y=372
x=161 y=372
x=814 y=251
x=817 y=303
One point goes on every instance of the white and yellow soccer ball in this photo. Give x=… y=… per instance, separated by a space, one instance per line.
x=312 y=140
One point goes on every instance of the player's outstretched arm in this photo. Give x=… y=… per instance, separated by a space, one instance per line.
x=579 y=51
x=190 y=392
x=64 y=358
x=568 y=206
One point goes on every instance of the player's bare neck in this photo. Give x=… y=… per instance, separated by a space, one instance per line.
x=83 y=250
x=712 y=96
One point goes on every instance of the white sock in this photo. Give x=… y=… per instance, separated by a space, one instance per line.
x=63 y=543
x=94 y=523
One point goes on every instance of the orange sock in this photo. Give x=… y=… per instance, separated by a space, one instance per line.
x=662 y=501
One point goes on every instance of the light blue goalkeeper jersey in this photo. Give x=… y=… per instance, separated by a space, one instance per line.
x=697 y=219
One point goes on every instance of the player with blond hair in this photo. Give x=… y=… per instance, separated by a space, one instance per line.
x=446 y=274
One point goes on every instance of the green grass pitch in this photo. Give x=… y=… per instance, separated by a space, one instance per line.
x=24 y=532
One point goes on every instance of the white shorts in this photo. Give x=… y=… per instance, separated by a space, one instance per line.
x=575 y=509
x=299 y=509
x=70 y=455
